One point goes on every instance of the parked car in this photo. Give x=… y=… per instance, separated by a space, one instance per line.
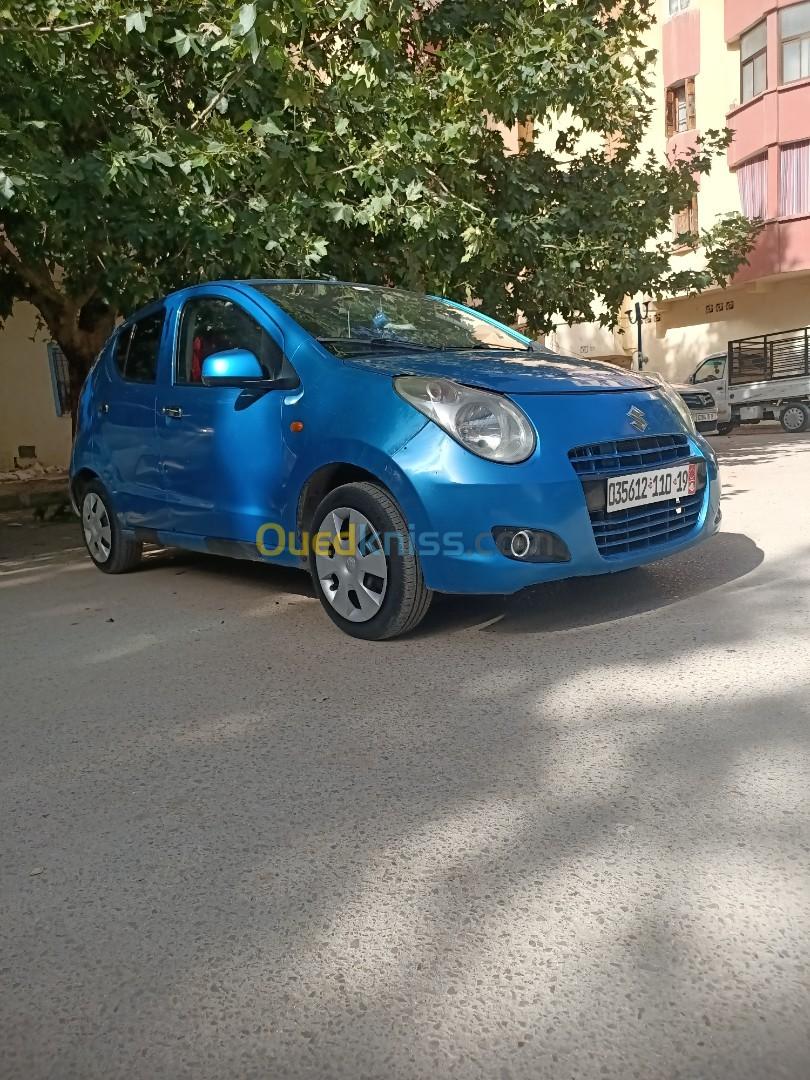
x=765 y=377
x=393 y=444
x=701 y=405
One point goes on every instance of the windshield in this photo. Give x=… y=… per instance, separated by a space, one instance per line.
x=351 y=320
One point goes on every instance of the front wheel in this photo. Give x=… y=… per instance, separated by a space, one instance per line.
x=363 y=565
x=109 y=549
x=795 y=417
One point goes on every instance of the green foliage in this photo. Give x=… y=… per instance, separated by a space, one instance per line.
x=144 y=146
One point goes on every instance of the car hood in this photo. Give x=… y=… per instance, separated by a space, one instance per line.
x=518 y=372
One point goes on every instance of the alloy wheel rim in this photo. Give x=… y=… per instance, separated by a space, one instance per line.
x=97 y=527
x=793 y=418
x=350 y=564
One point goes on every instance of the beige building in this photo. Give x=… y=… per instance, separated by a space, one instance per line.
x=742 y=64
x=34 y=425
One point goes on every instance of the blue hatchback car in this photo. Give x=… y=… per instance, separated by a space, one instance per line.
x=393 y=444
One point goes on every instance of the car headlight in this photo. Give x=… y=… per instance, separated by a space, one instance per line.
x=487 y=424
x=680 y=407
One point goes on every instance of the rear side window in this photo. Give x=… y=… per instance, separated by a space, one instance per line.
x=137 y=348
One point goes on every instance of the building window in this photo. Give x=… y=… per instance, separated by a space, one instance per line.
x=687 y=220
x=794 y=34
x=752 y=178
x=60 y=379
x=794 y=180
x=677 y=5
x=680 y=108
x=754 y=62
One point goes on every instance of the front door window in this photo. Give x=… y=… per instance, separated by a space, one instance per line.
x=213 y=324
x=710 y=370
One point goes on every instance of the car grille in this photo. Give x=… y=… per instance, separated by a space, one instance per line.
x=628 y=455
x=698 y=400
x=637 y=527
x=645 y=526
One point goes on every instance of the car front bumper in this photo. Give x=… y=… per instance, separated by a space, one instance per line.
x=454 y=500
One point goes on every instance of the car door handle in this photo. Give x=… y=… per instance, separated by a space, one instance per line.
x=103 y=408
x=172 y=410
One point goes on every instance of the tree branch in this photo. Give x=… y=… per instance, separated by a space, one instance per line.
x=41 y=282
x=215 y=100
x=47 y=29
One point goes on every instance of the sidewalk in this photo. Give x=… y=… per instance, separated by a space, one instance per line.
x=45 y=490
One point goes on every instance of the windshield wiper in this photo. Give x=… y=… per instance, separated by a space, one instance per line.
x=377 y=341
x=517 y=347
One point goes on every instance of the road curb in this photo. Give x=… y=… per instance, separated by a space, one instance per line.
x=27 y=494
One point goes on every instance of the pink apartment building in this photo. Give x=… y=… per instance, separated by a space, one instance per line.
x=744 y=64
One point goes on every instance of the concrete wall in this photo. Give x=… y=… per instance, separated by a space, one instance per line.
x=687 y=332
x=27 y=409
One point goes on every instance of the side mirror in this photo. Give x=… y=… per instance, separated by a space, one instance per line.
x=234 y=367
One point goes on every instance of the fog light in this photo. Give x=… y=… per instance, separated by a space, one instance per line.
x=521 y=544
x=530 y=545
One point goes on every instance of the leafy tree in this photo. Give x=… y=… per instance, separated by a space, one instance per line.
x=146 y=146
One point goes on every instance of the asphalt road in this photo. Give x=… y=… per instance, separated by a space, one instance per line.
x=560 y=836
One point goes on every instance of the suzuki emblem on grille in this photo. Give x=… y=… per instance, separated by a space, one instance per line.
x=637 y=418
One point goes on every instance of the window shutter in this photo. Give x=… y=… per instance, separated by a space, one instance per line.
x=693 y=215
x=691 y=117
x=671 y=113
x=525 y=134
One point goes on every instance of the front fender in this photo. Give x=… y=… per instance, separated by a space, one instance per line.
x=354 y=453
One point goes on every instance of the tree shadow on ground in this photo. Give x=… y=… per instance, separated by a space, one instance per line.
x=274 y=851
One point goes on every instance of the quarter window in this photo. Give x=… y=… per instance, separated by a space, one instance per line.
x=212 y=324
x=754 y=62
x=137 y=348
x=794 y=34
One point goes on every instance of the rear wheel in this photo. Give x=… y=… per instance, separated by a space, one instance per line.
x=363 y=565
x=109 y=549
x=725 y=429
x=795 y=417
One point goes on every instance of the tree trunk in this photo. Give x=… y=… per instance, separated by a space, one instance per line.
x=81 y=337
x=79 y=364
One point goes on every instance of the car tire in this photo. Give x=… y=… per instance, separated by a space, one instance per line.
x=377 y=593
x=726 y=428
x=795 y=417
x=110 y=550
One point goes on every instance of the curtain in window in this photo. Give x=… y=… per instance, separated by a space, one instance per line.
x=753 y=182
x=794 y=180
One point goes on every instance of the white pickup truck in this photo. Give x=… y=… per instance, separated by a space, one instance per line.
x=760 y=378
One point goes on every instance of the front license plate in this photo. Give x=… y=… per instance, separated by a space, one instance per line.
x=655 y=485
x=705 y=416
